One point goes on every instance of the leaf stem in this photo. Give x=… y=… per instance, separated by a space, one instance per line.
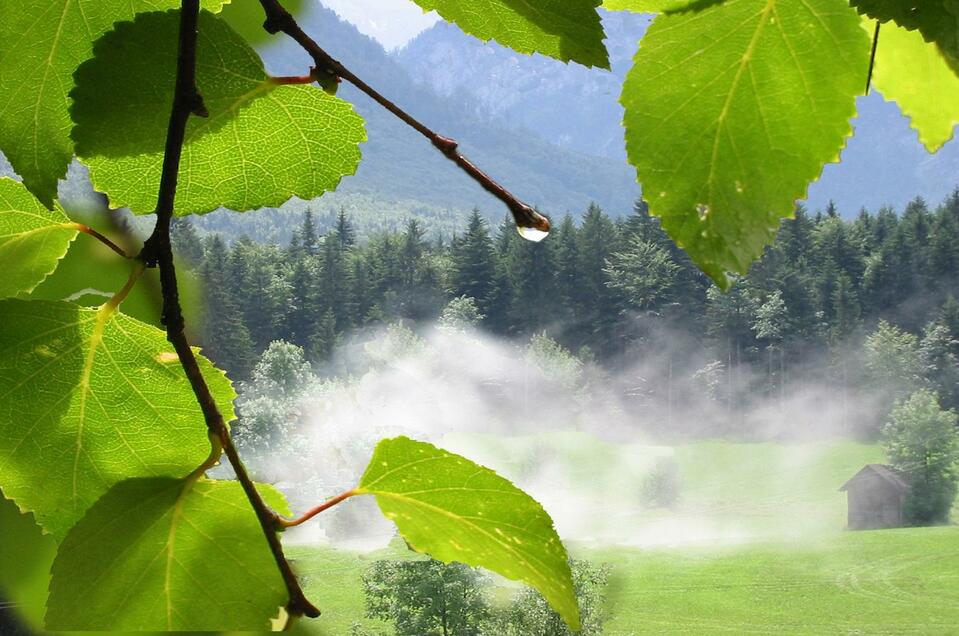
x=117 y=298
x=279 y=19
x=79 y=227
x=157 y=251
x=329 y=503
x=872 y=56
x=294 y=79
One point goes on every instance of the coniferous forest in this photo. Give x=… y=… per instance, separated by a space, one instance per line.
x=836 y=301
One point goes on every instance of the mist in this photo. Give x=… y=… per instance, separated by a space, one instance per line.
x=616 y=457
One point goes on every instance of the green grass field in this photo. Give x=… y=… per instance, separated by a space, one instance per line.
x=771 y=558
x=882 y=582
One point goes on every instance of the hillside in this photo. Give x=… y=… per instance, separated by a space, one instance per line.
x=578 y=109
x=402 y=175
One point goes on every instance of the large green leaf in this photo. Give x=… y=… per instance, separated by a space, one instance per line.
x=32 y=238
x=657 y=6
x=732 y=111
x=41 y=43
x=937 y=20
x=916 y=75
x=26 y=555
x=87 y=398
x=564 y=29
x=167 y=554
x=456 y=510
x=262 y=143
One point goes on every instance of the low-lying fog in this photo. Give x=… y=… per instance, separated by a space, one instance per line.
x=636 y=458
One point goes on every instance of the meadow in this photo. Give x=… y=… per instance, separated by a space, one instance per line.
x=770 y=554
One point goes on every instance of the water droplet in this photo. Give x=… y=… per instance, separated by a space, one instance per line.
x=702 y=210
x=739 y=186
x=532 y=234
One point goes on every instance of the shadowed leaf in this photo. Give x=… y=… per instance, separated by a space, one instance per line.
x=181 y=555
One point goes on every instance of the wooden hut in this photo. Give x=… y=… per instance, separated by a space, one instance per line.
x=876 y=495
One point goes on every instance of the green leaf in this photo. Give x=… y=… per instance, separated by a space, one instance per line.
x=26 y=555
x=456 y=510
x=657 y=6
x=262 y=143
x=564 y=29
x=937 y=20
x=732 y=111
x=41 y=43
x=32 y=238
x=910 y=71
x=88 y=398
x=167 y=554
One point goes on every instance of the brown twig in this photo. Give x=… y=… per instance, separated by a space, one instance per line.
x=326 y=505
x=278 y=19
x=79 y=227
x=157 y=251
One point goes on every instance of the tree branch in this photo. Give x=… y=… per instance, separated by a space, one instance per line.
x=157 y=251
x=279 y=19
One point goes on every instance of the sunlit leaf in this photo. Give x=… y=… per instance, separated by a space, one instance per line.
x=32 y=238
x=261 y=144
x=88 y=398
x=167 y=554
x=732 y=111
x=456 y=510
x=41 y=43
x=914 y=74
x=569 y=30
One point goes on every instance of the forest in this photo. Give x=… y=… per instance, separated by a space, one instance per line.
x=871 y=300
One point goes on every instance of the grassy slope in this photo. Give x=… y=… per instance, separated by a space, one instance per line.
x=803 y=575
x=888 y=582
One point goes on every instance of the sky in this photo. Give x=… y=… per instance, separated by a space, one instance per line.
x=392 y=22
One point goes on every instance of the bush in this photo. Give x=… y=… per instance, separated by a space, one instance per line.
x=922 y=441
x=661 y=487
x=529 y=613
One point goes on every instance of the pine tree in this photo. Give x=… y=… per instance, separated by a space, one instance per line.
x=474 y=264
x=226 y=339
x=344 y=230
x=304 y=309
x=186 y=242
x=309 y=240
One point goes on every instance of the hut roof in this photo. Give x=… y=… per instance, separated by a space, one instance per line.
x=895 y=478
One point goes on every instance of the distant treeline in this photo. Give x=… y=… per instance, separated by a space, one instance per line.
x=607 y=290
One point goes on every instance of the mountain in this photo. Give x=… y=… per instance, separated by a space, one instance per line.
x=401 y=165
x=577 y=108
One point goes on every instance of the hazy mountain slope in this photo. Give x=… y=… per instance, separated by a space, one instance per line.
x=401 y=164
x=578 y=108
x=569 y=105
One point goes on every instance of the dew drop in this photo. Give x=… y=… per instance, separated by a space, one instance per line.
x=702 y=210
x=531 y=233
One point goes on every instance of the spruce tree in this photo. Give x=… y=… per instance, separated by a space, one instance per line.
x=226 y=339
x=474 y=264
